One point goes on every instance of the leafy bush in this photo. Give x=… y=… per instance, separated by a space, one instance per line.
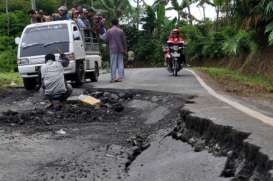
x=7 y=54
x=195 y=41
x=269 y=30
x=204 y=42
x=149 y=51
x=242 y=42
x=213 y=46
x=8 y=60
x=18 y=20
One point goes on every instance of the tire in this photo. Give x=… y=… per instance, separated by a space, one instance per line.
x=80 y=74
x=175 y=72
x=94 y=76
x=175 y=69
x=30 y=83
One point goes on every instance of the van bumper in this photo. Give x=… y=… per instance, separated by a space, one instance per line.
x=30 y=71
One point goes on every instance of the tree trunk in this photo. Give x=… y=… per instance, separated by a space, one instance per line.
x=8 y=20
x=190 y=15
x=217 y=13
x=204 y=12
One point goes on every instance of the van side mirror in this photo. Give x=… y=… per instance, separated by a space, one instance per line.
x=17 y=40
x=76 y=35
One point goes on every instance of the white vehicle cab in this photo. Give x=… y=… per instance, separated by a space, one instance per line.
x=38 y=40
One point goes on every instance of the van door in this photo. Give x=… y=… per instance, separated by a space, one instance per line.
x=78 y=43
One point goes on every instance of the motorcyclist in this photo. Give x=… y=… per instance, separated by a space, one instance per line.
x=174 y=39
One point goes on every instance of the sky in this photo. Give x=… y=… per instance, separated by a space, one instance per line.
x=196 y=11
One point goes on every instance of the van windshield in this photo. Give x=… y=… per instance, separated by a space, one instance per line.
x=44 y=40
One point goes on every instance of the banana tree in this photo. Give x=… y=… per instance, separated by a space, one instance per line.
x=116 y=8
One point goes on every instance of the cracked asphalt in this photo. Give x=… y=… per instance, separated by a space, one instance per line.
x=99 y=150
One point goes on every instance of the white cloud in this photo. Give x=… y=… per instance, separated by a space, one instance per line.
x=196 y=11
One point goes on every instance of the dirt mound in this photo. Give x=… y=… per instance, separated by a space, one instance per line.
x=112 y=106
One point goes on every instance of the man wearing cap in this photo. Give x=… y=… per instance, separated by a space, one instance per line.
x=62 y=14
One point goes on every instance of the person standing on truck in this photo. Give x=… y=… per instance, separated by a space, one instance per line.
x=118 y=47
x=62 y=14
x=81 y=20
x=53 y=82
x=90 y=15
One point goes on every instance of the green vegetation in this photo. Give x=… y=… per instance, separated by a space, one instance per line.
x=9 y=78
x=250 y=80
x=241 y=27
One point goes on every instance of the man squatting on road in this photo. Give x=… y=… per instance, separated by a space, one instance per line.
x=118 y=47
x=53 y=83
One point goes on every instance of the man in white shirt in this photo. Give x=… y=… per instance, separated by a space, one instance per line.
x=53 y=82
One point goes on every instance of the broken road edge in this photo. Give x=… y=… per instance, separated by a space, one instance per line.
x=244 y=160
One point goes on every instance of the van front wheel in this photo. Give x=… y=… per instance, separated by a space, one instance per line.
x=80 y=74
x=30 y=83
x=95 y=75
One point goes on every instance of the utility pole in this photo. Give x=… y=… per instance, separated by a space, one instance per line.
x=7 y=13
x=92 y=3
x=65 y=3
x=33 y=4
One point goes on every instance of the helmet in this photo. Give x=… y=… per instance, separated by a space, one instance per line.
x=175 y=31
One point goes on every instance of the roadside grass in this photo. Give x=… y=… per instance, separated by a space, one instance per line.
x=10 y=79
x=250 y=80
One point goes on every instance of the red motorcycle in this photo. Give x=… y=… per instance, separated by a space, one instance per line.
x=174 y=55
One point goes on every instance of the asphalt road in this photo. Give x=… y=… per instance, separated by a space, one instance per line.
x=205 y=106
x=98 y=150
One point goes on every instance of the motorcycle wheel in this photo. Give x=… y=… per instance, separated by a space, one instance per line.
x=176 y=66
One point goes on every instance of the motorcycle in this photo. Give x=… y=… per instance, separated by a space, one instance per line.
x=175 y=58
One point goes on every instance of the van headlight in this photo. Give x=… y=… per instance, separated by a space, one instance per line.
x=23 y=61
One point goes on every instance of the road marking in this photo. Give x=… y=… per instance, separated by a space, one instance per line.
x=255 y=114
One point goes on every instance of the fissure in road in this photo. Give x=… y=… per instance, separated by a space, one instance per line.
x=115 y=141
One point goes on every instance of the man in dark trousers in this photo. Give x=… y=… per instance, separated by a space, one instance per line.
x=118 y=47
x=52 y=73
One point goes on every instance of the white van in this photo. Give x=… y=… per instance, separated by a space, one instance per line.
x=40 y=39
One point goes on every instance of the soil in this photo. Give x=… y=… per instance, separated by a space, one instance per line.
x=101 y=142
x=259 y=63
x=236 y=88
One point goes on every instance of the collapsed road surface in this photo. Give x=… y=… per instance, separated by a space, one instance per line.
x=135 y=134
x=83 y=142
x=213 y=119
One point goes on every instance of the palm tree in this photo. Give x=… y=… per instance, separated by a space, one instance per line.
x=202 y=5
x=179 y=8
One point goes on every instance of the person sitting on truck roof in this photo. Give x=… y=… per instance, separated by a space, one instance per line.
x=35 y=16
x=62 y=14
x=53 y=82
